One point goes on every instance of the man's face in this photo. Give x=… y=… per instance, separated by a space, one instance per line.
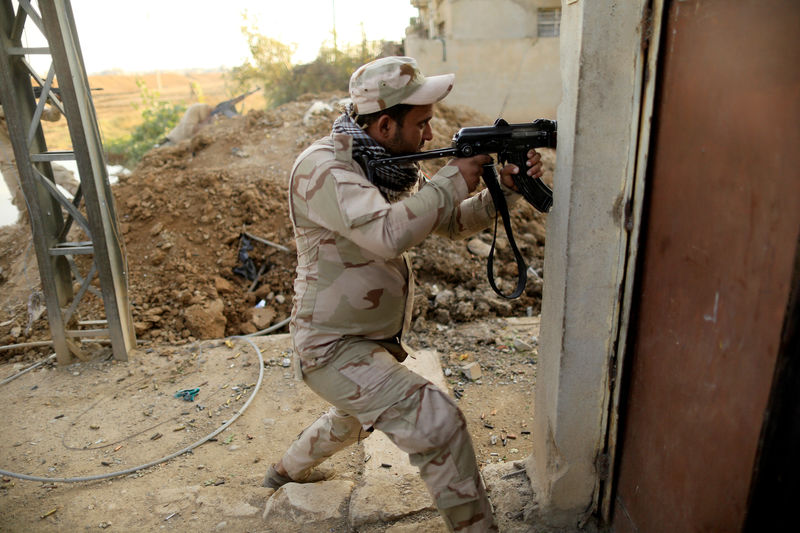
x=415 y=130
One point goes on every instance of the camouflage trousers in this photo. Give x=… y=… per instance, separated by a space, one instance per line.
x=369 y=388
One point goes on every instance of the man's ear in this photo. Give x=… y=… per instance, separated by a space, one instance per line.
x=384 y=128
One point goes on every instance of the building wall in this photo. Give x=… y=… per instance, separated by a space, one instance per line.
x=503 y=69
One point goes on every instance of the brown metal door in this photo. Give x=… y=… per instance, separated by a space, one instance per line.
x=722 y=221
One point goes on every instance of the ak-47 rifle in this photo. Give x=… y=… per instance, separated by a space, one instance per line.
x=228 y=107
x=511 y=143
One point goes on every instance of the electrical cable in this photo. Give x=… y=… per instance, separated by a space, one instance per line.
x=270 y=329
x=35 y=365
x=189 y=448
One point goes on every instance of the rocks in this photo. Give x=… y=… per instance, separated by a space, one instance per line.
x=222 y=285
x=262 y=317
x=206 y=321
x=309 y=507
x=479 y=248
x=472 y=371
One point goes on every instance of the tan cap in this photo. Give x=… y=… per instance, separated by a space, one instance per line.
x=389 y=81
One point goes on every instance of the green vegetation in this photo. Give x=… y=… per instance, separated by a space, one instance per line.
x=158 y=118
x=271 y=68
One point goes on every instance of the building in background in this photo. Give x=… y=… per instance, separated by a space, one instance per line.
x=506 y=60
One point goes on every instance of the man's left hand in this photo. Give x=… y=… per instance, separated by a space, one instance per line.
x=533 y=170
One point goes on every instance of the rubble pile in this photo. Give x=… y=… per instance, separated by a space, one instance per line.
x=209 y=244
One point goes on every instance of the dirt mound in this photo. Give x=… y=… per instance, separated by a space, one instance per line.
x=195 y=218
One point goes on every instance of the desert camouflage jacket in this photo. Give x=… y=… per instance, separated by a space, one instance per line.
x=353 y=274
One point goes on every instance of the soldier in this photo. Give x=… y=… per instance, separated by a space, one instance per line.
x=354 y=285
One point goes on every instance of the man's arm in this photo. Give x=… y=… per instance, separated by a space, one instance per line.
x=477 y=212
x=343 y=201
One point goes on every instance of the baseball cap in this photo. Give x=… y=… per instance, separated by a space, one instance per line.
x=393 y=80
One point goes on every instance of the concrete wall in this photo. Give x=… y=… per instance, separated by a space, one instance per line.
x=587 y=244
x=502 y=68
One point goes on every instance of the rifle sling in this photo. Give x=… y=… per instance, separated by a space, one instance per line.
x=501 y=208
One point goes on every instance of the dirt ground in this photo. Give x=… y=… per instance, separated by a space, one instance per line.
x=184 y=213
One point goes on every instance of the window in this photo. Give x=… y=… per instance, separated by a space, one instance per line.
x=549 y=22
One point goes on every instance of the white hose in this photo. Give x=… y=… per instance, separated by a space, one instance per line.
x=163 y=459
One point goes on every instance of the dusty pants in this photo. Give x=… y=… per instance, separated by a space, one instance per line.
x=369 y=388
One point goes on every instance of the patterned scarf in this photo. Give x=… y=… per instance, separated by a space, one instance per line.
x=394 y=182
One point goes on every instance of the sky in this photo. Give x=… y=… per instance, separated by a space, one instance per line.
x=148 y=35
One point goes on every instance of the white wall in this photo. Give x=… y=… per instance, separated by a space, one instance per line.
x=587 y=245
x=502 y=68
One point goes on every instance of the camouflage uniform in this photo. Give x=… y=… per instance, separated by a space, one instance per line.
x=352 y=304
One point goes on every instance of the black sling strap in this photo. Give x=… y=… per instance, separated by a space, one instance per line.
x=501 y=208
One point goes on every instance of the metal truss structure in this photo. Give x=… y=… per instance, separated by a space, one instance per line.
x=91 y=213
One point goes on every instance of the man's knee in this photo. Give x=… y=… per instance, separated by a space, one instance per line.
x=425 y=421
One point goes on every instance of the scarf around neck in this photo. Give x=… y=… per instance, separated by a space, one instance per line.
x=393 y=181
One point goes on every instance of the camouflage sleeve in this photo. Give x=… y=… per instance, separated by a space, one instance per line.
x=345 y=202
x=474 y=214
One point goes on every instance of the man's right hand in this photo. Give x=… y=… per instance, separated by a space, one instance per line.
x=471 y=168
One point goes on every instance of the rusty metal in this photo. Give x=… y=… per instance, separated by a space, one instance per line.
x=723 y=216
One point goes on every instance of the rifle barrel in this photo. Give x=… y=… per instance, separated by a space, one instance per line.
x=430 y=154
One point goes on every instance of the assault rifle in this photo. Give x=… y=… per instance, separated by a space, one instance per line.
x=511 y=143
x=228 y=107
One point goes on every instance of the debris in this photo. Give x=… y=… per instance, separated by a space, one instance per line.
x=479 y=248
x=522 y=346
x=156 y=436
x=268 y=243
x=514 y=473
x=247 y=267
x=187 y=394
x=471 y=371
x=50 y=512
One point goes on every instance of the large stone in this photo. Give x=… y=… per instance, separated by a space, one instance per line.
x=388 y=494
x=206 y=321
x=308 y=507
x=262 y=317
x=222 y=285
x=479 y=248
x=509 y=489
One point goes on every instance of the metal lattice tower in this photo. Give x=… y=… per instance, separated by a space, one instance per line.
x=52 y=214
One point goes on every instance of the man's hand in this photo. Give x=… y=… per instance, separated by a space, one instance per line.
x=534 y=170
x=471 y=168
